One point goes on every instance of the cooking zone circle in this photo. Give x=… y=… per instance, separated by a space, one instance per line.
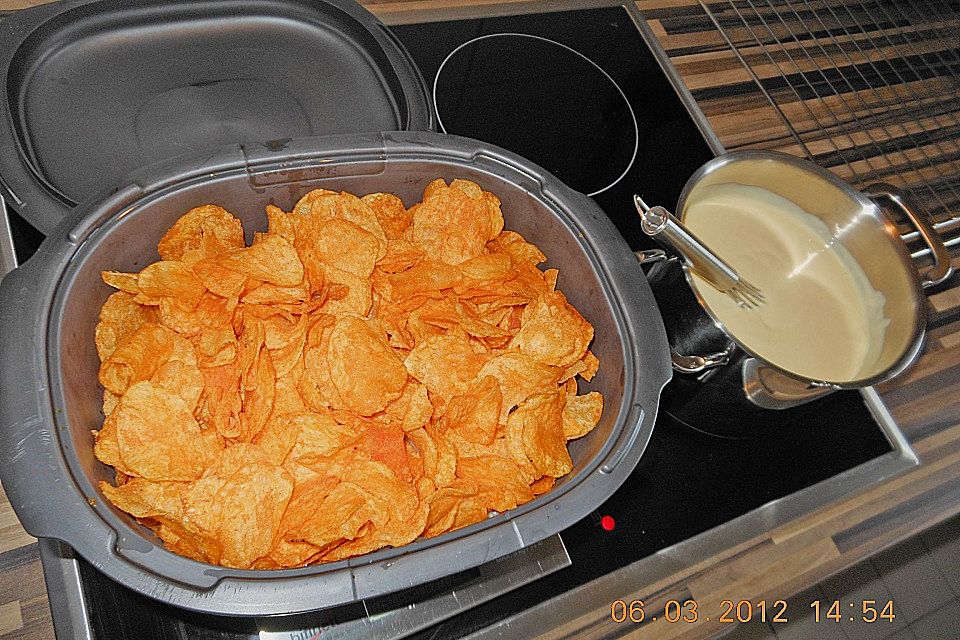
x=543 y=100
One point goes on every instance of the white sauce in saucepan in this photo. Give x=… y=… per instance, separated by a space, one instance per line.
x=822 y=319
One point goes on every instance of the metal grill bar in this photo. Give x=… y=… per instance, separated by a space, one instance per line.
x=892 y=86
x=840 y=94
x=869 y=89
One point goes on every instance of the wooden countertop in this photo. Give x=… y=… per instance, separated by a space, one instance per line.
x=732 y=69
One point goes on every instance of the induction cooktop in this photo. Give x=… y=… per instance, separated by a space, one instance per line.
x=583 y=94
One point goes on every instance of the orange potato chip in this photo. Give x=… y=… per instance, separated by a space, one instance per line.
x=122 y=281
x=391 y=214
x=343 y=245
x=138 y=358
x=281 y=223
x=171 y=279
x=426 y=277
x=475 y=415
x=512 y=244
x=539 y=420
x=157 y=437
x=592 y=366
x=419 y=411
x=250 y=505
x=364 y=369
x=581 y=414
x=385 y=443
x=120 y=317
x=318 y=436
x=501 y=484
x=220 y=404
x=106 y=448
x=209 y=230
x=271 y=258
x=218 y=279
x=553 y=332
x=444 y=505
x=320 y=204
x=519 y=376
x=339 y=517
x=257 y=393
x=145 y=499
x=445 y=363
x=454 y=223
x=542 y=485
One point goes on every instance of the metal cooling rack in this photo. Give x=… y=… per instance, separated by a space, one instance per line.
x=870 y=90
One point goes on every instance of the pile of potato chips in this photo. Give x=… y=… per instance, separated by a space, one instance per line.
x=361 y=375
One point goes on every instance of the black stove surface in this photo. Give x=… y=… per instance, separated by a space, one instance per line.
x=687 y=482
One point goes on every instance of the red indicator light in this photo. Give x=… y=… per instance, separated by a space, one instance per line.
x=608 y=523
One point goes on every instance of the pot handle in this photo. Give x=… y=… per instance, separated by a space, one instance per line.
x=767 y=388
x=680 y=362
x=942 y=267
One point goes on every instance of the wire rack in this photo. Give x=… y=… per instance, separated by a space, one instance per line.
x=870 y=90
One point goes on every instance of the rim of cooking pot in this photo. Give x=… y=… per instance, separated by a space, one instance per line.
x=918 y=332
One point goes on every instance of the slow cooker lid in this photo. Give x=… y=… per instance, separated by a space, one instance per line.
x=96 y=89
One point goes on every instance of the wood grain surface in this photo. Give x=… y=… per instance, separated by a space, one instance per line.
x=866 y=89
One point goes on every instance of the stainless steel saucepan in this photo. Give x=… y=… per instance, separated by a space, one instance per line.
x=700 y=342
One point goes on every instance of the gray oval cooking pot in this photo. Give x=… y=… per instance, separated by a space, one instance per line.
x=50 y=398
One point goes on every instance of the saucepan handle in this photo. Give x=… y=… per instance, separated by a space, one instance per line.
x=680 y=362
x=942 y=267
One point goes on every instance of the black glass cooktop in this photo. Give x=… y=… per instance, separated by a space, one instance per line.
x=580 y=93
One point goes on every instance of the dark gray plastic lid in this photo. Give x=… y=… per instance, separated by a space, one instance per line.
x=50 y=398
x=98 y=88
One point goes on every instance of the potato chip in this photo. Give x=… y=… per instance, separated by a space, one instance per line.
x=444 y=505
x=218 y=279
x=542 y=485
x=220 y=403
x=454 y=223
x=318 y=436
x=359 y=376
x=138 y=358
x=400 y=256
x=419 y=411
x=445 y=363
x=391 y=214
x=475 y=415
x=171 y=279
x=257 y=393
x=281 y=223
x=581 y=414
x=250 y=506
x=540 y=418
x=144 y=499
x=271 y=258
x=365 y=370
x=120 y=317
x=553 y=332
x=343 y=245
x=320 y=205
x=592 y=366
x=501 y=485
x=122 y=281
x=512 y=244
x=385 y=443
x=105 y=447
x=519 y=377
x=209 y=230
x=426 y=277
x=157 y=437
